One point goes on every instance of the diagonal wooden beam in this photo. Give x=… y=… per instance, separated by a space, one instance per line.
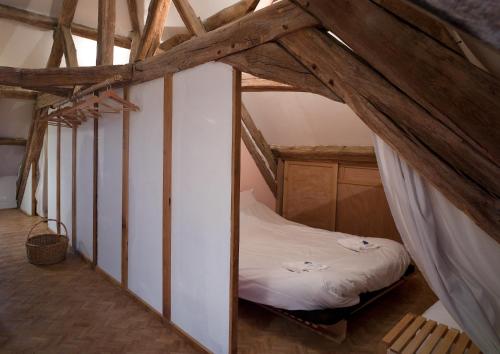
x=17 y=92
x=153 y=29
x=479 y=18
x=260 y=142
x=12 y=141
x=192 y=22
x=456 y=92
x=250 y=83
x=50 y=23
x=219 y=19
x=250 y=31
x=270 y=61
x=65 y=19
x=134 y=16
x=69 y=47
x=439 y=153
x=423 y=21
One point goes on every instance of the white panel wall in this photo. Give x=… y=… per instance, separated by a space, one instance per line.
x=8 y=192
x=26 y=202
x=84 y=187
x=201 y=203
x=109 y=224
x=146 y=193
x=66 y=161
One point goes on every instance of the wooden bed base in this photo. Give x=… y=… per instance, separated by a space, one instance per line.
x=335 y=330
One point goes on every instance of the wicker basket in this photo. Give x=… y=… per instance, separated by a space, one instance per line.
x=46 y=249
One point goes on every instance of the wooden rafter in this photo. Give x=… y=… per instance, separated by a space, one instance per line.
x=192 y=22
x=478 y=18
x=12 y=141
x=325 y=153
x=440 y=154
x=219 y=19
x=250 y=83
x=153 y=29
x=134 y=16
x=17 y=92
x=271 y=62
x=50 y=23
x=423 y=21
x=69 y=48
x=65 y=20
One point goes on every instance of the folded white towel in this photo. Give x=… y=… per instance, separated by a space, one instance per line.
x=304 y=266
x=357 y=244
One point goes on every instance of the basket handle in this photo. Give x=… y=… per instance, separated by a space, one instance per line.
x=46 y=221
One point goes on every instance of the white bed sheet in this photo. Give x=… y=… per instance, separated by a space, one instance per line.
x=267 y=241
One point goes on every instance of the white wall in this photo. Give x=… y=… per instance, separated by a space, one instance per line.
x=66 y=163
x=84 y=187
x=201 y=203
x=299 y=118
x=109 y=224
x=26 y=201
x=146 y=193
x=8 y=192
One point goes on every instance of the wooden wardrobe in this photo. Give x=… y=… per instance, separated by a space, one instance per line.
x=334 y=190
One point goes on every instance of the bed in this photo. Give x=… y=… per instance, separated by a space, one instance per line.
x=268 y=241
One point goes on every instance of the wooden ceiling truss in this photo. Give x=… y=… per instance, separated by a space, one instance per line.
x=419 y=93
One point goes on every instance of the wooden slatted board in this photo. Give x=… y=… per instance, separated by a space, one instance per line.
x=416 y=334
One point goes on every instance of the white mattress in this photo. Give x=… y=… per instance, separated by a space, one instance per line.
x=267 y=241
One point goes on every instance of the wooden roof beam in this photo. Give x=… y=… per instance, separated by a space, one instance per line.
x=219 y=19
x=479 y=18
x=435 y=149
x=17 y=92
x=153 y=29
x=12 y=141
x=250 y=83
x=50 y=23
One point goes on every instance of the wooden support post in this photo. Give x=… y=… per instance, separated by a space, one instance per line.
x=235 y=214
x=74 y=220
x=105 y=44
x=58 y=179
x=167 y=190
x=125 y=178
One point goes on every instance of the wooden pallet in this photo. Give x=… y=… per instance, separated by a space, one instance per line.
x=416 y=334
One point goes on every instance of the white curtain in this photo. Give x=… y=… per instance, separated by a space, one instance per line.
x=460 y=262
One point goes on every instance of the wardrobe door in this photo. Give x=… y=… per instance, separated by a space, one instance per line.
x=362 y=207
x=310 y=193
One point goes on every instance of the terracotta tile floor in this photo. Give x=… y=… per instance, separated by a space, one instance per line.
x=68 y=308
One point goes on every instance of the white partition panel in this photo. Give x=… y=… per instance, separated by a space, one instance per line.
x=109 y=170
x=66 y=192
x=201 y=203
x=84 y=187
x=146 y=193
x=66 y=176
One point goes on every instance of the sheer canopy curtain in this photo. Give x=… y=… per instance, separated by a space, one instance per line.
x=460 y=262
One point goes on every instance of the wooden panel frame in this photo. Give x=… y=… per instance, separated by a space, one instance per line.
x=235 y=213
x=125 y=179
x=167 y=190
x=335 y=168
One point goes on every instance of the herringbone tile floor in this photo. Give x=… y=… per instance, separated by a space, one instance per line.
x=68 y=308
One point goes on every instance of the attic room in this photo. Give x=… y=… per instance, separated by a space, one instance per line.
x=249 y=176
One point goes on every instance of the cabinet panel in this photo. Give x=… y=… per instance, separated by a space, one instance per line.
x=310 y=193
x=362 y=207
